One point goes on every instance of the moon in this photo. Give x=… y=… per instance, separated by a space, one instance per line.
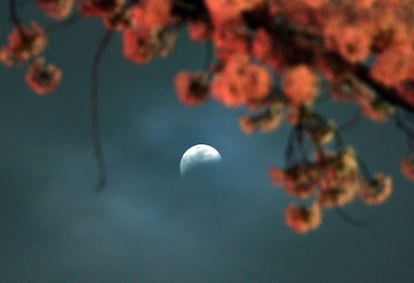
x=197 y=155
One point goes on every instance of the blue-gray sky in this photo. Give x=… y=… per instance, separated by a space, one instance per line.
x=150 y=224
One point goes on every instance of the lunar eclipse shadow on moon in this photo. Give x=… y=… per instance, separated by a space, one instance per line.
x=199 y=159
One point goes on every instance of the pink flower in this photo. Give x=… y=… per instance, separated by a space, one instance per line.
x=337 y=195
x=43 y=79
x=299 y=85
x=265 y=122
x=262 y=45
x=299 y=182
x=222 y=10
x=230 y=38
x=353 y=44
x=407 y=168
x=277 y=176
x=240 y=82
x=137 y=46
x=303 y=219
x=117 y=21
x=141 y=45
x=392 y=66
x=150 y=14
x=93 y=8
x=199 y=30
x=24 y=43
x=192 y=88
x=56 y=9
x=376 y=191
x=314 y=3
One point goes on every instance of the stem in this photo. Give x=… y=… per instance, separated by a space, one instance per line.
x=94 y=110
x=339 y=141
x=301 y=144
x=290 y=148
x=349 y=219
x=15 y=17
x=364 y=167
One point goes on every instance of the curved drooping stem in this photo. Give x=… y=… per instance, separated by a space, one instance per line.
x=290 y=148
x=15 y=17
x=349 y=219
x=94 y=110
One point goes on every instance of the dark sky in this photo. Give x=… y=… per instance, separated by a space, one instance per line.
x=151 y=224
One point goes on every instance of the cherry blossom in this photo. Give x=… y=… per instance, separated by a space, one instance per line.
x=42 y=79
x=56 y=9
x=191 y=88
x=303 y=219
x=24 y=44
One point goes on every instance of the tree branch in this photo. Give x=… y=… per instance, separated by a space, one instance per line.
x=94 y=110
x=349 y=219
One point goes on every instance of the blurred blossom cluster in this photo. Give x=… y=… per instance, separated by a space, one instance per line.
x=271 y=57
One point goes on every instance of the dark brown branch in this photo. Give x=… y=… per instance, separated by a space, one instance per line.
x=388 y=94
x=361 y=71
x=94 y=110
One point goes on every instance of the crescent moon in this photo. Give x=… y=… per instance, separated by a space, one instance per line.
x=198 y=154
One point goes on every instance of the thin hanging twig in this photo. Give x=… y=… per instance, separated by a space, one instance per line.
x=365 y=170
x=13 y=13
x=301 y=142
x=94 y=110
x=339 y=140
x=290 y=148
x=349 y=219
x=15 y=17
